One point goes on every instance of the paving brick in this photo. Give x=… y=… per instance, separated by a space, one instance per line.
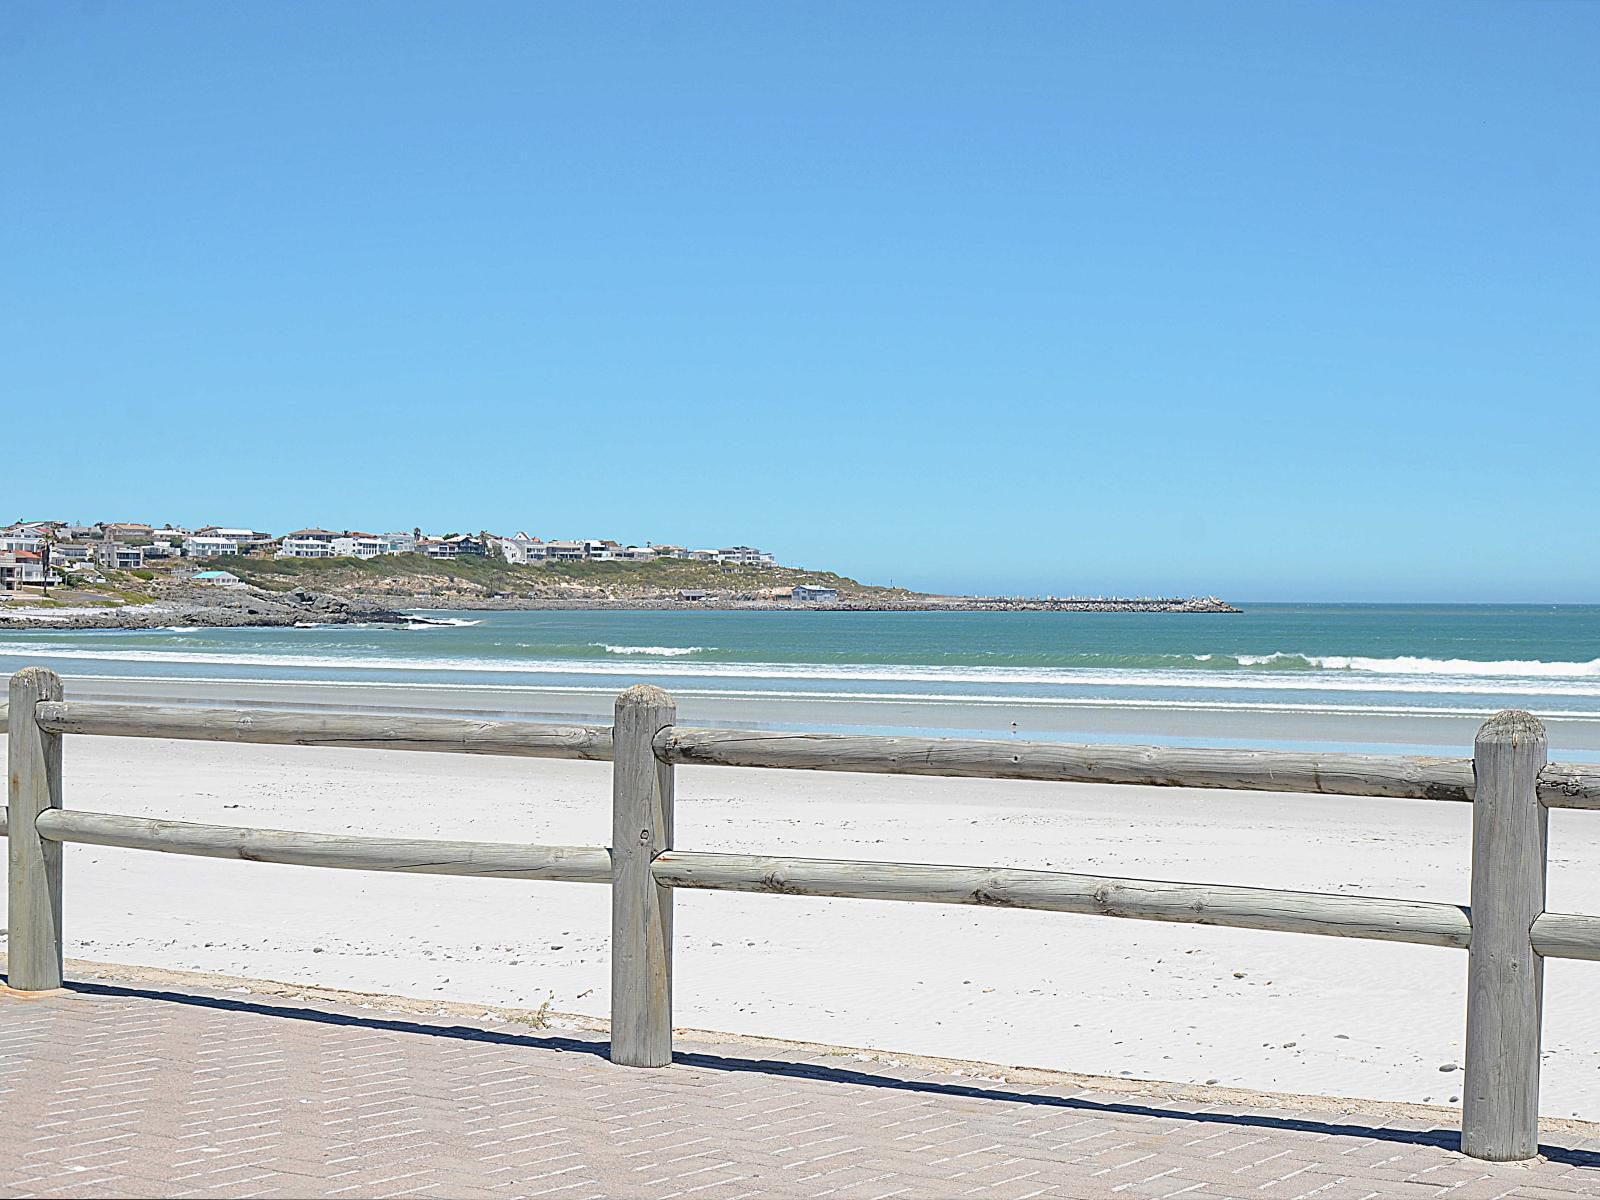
x=109 y=1090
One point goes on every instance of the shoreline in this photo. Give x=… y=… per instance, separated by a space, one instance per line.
x=257 y=608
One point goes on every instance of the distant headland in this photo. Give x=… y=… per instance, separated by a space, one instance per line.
x=58 y=576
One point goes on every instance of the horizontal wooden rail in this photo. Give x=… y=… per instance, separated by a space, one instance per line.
x=1424 y=922
x=1561 y=785
x=1570 y=785
x=1396 y=776
x=292 y=728
x=1567 y=935
x=417 y=856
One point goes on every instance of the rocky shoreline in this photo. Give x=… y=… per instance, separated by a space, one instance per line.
x=245 y=607
x=257 y=607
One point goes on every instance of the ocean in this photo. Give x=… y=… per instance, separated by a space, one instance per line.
x=1393 y=678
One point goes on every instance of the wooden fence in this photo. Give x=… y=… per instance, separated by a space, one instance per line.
x=1506 y=931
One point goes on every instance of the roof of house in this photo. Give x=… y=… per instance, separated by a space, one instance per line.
x=312 y=533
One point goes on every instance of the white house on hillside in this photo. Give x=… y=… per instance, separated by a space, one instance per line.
x=745 y=556
x=457 y=545
x=214 y=540
x=358 y=545
x=307 y=543
x=523 y=549
x=209 y=545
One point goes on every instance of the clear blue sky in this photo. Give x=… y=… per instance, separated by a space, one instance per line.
x=1272 y=300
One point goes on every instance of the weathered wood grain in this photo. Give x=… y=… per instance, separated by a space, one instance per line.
x=416 y=856
x=1395 y=776
x=1505 y=978
x=1569 y=785
x=641 y=909
x=33 y=874
x=365 y=730
x=1259 y=770
x=1567 y=935
x=1422 y=922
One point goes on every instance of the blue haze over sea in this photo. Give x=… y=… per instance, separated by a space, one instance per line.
x=1403 y=678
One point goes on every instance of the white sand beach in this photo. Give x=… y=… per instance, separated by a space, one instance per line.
x=1181 y=1003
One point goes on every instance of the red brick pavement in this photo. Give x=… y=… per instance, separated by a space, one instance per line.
x=136 y=1090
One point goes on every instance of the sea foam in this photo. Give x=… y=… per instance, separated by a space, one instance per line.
x=657 y=651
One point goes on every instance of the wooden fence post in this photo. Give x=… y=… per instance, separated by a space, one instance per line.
x=1505 y=978
x=33 y=875
x=641 y=909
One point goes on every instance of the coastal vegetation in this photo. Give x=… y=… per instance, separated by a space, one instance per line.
x=493 y=578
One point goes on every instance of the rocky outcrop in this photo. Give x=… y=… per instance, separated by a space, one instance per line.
x=209 y=608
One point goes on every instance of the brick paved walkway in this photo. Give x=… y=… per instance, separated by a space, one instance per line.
x=131 y=1089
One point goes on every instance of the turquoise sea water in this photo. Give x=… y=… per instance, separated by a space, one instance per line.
x=1335 y=676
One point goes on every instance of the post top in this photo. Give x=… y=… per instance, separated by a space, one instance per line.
x=645 y=695
x=1511 y=725
x=44 y=682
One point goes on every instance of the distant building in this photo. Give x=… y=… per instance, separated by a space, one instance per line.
x=13 y=541
x=72 y=552
x=564 y=551
x=38 y=529
x=456 y=545
x=692 y=594
x=358 y=545
x=640 y=554
x=30 y=567
x=118 y=556
x=522 y=549
x=400 y=543
x=811 y=593
x=218 y=579
x=210 y=545
x=307 y=543
x=122 y=531
x=745 y=556
x=216 y=540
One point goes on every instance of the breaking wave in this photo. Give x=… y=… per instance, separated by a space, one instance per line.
x=654 y=651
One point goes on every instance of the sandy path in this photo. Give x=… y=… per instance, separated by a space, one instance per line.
x=1268 y=1011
